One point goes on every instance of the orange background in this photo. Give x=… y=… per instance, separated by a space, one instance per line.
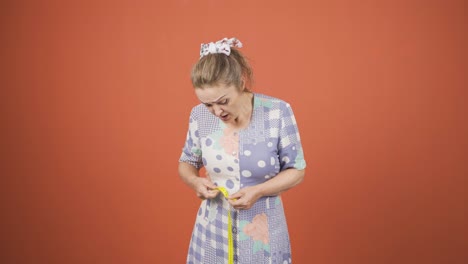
x=95 y=103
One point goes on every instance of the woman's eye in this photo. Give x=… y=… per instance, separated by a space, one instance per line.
x=224 y=102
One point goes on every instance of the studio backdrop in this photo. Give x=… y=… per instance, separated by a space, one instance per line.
x=96 y=97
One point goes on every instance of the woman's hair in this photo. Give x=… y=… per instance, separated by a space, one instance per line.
x=219 y=68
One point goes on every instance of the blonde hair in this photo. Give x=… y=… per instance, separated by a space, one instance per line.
x=218 y=68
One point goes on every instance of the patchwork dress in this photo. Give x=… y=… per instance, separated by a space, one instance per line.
x=237 y=159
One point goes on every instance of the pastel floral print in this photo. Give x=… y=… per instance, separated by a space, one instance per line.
x=258 y=231
x=230 y=141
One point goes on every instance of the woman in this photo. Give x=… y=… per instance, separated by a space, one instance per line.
x=250 y=147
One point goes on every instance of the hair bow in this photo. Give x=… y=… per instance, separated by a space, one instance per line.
x=221 y=46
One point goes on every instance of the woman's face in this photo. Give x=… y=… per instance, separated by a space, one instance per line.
x=225 y=102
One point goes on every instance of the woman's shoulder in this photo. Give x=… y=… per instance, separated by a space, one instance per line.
x=198 y=110
x=202 y=115
x=270 y=101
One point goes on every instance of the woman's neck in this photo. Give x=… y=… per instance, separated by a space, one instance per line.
x=245 y=114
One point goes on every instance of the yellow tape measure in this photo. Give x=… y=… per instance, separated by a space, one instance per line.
x=230 y=241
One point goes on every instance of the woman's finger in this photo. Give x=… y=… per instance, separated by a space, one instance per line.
x=236 y=195
x=212 y=194
x=210 y=185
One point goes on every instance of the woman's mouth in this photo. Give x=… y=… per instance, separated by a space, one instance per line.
x=224 y=117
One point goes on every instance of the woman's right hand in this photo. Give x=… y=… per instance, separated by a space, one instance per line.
x=204 y=188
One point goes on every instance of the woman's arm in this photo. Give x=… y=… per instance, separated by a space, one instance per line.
x=285 y=180
x=203 y=187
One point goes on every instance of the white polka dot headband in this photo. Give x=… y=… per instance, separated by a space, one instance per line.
x=221 y=46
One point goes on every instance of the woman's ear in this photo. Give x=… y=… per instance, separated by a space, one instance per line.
x=243 y=85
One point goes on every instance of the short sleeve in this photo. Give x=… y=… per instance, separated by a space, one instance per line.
x=290 y=150
x=191 y=152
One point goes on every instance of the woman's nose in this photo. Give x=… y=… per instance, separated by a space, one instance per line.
x=217 y=110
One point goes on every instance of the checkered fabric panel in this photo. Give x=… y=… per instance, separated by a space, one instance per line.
x=290 y=148
x=191 y=152
x=209 y=242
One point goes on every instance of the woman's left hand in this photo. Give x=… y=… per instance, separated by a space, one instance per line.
x=245 y=198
